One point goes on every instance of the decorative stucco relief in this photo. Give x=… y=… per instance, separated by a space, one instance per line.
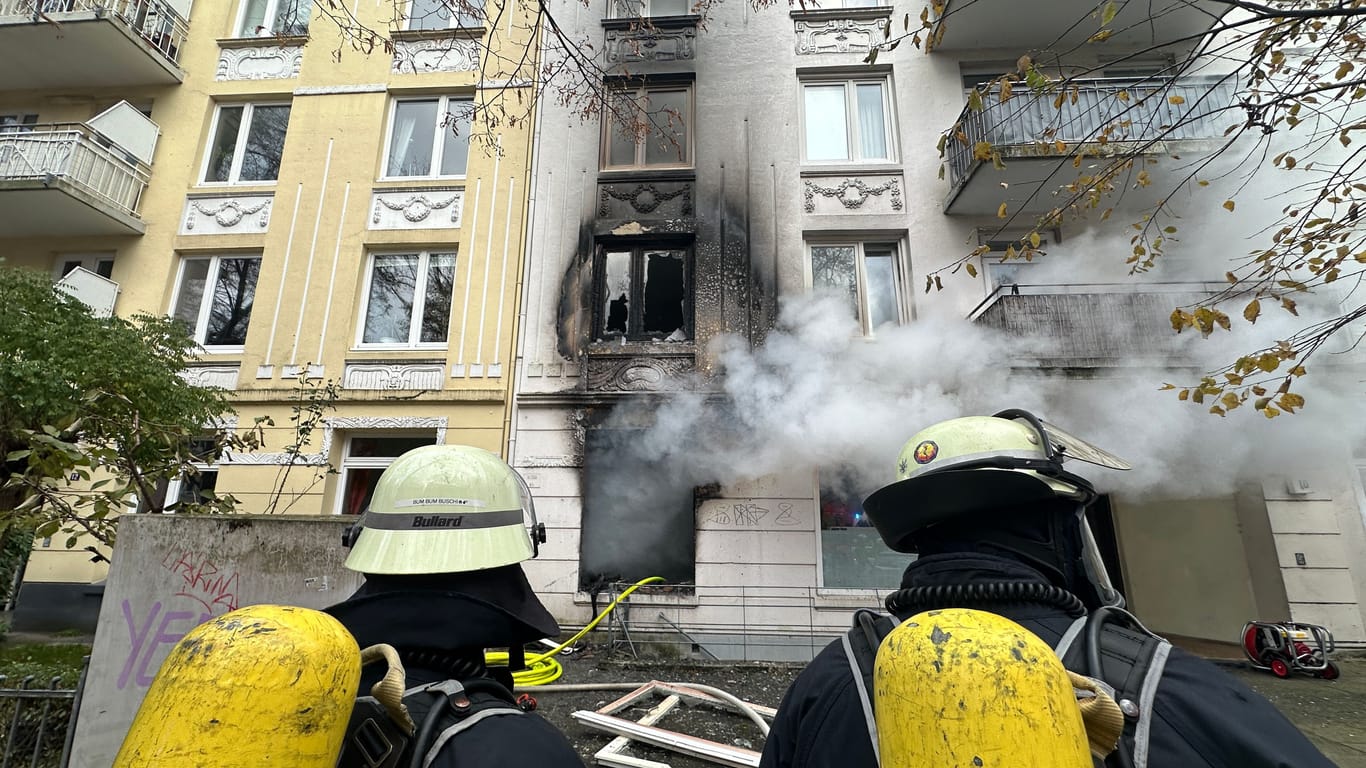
x=393 y=376
x=409 y=209
x=650 y=44
x=260 y=62
x=441 y=54
x=651 y=200
x=852 y=194
x=839 y=35
x=239 y=214
x=635 y=374
x=224 y=376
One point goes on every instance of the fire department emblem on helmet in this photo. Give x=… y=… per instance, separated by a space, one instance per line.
x=926 y=451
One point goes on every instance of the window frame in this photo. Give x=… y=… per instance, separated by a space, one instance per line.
x=851 y=126
x=442 y=108
x=992 y=266
x=900 y=274
x=900 y=559
x=347 y=462
x=419 y=289
x=239 y=147
x=609 y=127
x=272 y=11
x=634 y=318
x=89 y=260
x=24 y=122
x=615 y=8
x=200 y=330
x=482 y=20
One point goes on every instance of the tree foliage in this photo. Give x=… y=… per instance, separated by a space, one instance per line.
x=94 y=414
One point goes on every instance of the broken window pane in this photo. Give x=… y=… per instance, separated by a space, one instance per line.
x=665 y=294
x=616 y=292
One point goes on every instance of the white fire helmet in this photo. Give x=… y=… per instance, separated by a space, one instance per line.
x=445 y=509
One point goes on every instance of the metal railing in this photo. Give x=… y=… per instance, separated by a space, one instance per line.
x=1134 y=110
x=79 y=155
x=37 y=724
x=158 y=24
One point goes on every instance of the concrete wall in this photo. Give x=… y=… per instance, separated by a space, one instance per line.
x=172 y=573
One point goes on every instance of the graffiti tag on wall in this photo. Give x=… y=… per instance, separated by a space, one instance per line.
x=751 y=515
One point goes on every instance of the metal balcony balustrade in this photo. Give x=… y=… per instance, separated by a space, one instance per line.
x=154 y=21
x=1136 y=111
x=78 y=155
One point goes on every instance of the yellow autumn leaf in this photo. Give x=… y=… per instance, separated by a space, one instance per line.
x=1228 y=205
x=1176 y=100
x=1001 y=212
x=1252 y=311
x=971 y=269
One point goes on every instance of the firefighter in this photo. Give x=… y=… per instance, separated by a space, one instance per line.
x=998 y=525
x=440 y=547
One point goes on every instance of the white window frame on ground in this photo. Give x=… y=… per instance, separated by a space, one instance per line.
x=645 y=9
x=271 y=13
x=240 y=145
x=854 y=150
x=101 y=263
x=893 y=248
x=416 y=18
x=448 y=108
x=349 y=463
x=205 y=311
x=680 y=154
x=419 y=301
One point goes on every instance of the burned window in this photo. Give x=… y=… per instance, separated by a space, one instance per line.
x=644 y=294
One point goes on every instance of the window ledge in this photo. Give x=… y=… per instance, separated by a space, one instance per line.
x=658 y=22
x=236 y=188
x=449 y=183
x=251 y=42
x=843 y=599
x=404 y=355
x=647 y=174
x=851 y=169
x=826 y=14
x=410 y=35
x=637 y=348
x=683 y=595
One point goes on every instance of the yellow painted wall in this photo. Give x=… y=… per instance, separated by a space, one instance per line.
x=332 y=160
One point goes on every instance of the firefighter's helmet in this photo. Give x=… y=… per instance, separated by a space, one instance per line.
x=977 y=464
x=445 y=509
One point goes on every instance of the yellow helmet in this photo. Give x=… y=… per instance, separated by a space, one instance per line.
x=977 y=464
x=445 y=509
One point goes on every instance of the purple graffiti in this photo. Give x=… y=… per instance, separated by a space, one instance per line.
x=144 y=644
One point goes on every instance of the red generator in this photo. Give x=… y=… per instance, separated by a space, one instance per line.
x=1290 y=646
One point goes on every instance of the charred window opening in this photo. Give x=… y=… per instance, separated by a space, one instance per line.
x=638 y=516
x=644 y=294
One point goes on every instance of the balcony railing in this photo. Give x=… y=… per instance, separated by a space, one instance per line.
x=159 y=25
x=78 y=155
x=1136 y=110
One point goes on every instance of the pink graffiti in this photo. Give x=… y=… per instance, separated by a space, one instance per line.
x=203 y=581
x=145 y=643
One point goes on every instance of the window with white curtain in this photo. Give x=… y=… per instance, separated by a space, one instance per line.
x=847 y=120
x=429 y=137
x=268 y=18
x=869 y=274
x=407 y=300
x=246 y=143
x=214 y=296
x=444 y=14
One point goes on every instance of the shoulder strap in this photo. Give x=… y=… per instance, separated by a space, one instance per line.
x=861 y=643
x=469 y=703
x=1132 y=660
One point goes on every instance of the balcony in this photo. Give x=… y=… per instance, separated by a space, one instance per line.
x=1065 y=25
x=1025 y=129
x=1094 y=326
x=68 y=179
x=95 y=43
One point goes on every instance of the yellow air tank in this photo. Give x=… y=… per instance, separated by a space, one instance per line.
x=959 y=688
x=265 y=685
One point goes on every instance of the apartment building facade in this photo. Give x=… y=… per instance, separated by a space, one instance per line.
x=777 y=161
x=307 y=205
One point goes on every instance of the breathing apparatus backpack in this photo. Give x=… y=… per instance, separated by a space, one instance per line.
x=1115 y=651
x=397 y=726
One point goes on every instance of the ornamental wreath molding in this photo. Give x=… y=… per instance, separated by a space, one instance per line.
x=229 y=213
x=644 y=199
x=416 y=208
x=853 y=193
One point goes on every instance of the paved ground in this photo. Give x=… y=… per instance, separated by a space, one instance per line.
x=1331 y=713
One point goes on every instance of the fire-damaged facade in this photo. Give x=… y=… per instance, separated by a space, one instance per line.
x=774 y=161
